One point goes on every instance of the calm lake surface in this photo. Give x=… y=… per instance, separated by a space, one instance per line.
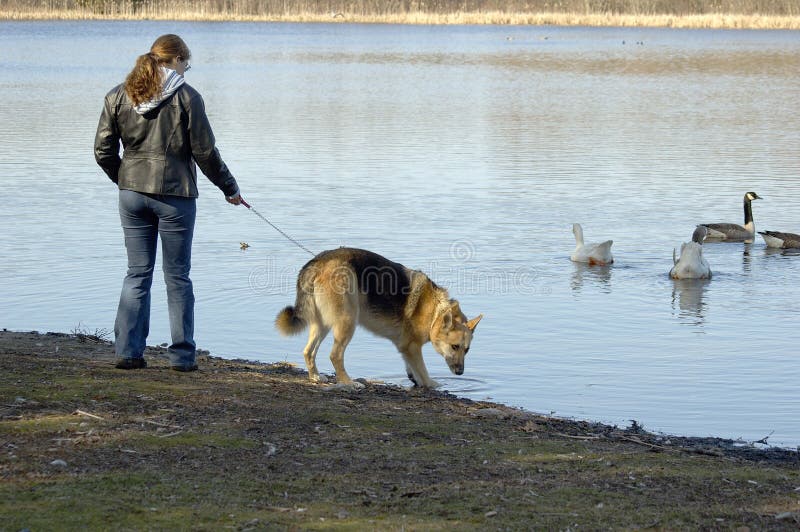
x=466 y=152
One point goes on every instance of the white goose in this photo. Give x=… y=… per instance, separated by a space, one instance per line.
x=594 y=254
x=736 y=232
x=691 y=264
x=776 y=239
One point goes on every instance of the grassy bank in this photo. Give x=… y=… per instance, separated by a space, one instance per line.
x=253 y=446
x=755 y=14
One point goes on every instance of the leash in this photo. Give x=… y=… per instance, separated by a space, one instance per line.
x=290 y=239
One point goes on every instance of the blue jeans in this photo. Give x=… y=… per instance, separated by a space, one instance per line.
x=144 y=217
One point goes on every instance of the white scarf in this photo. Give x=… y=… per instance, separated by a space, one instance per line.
x=172 y=81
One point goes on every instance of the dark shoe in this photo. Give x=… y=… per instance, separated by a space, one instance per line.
x=131 y=363
x=184 y=367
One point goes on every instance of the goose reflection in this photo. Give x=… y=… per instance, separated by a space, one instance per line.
x=747 y=258
x=788 y=252
x=688 y=299
x=597 y=275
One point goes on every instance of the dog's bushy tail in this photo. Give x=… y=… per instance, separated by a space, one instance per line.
x=290 y=322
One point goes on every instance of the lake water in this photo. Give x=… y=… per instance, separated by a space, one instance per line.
x=466 y=152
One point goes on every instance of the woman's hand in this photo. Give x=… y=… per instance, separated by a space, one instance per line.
x=236 y=199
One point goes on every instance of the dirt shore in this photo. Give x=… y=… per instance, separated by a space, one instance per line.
x=250 y=446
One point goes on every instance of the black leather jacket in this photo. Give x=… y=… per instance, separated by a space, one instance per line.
x=158 y=147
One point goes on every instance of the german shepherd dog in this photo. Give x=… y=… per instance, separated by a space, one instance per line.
x=345 y=287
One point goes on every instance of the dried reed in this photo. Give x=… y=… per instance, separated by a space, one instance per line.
x=760 y=14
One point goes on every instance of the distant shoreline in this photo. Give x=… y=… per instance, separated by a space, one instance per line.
x=705 y=21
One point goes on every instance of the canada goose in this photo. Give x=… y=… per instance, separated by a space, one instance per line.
x=735 y=232
x=594 y=254
x=691 y=264
x=776 y=239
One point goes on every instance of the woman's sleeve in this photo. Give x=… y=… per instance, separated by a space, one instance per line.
x=204 y=149
x=106 y=142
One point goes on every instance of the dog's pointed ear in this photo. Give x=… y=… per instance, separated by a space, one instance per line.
x=447 y=320
x=471 y=324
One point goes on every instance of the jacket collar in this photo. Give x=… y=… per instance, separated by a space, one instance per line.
x=172 y=81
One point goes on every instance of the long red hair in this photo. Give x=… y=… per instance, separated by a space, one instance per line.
x=144 y=81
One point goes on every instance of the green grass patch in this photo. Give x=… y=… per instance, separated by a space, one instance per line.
x=46 y=424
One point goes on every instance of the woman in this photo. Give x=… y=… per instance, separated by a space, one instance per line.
x=162 y=125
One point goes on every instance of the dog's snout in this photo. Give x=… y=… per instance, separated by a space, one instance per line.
x=458 y=369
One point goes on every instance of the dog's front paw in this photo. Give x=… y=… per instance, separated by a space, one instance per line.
x=319 y=379
x=432 y=384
